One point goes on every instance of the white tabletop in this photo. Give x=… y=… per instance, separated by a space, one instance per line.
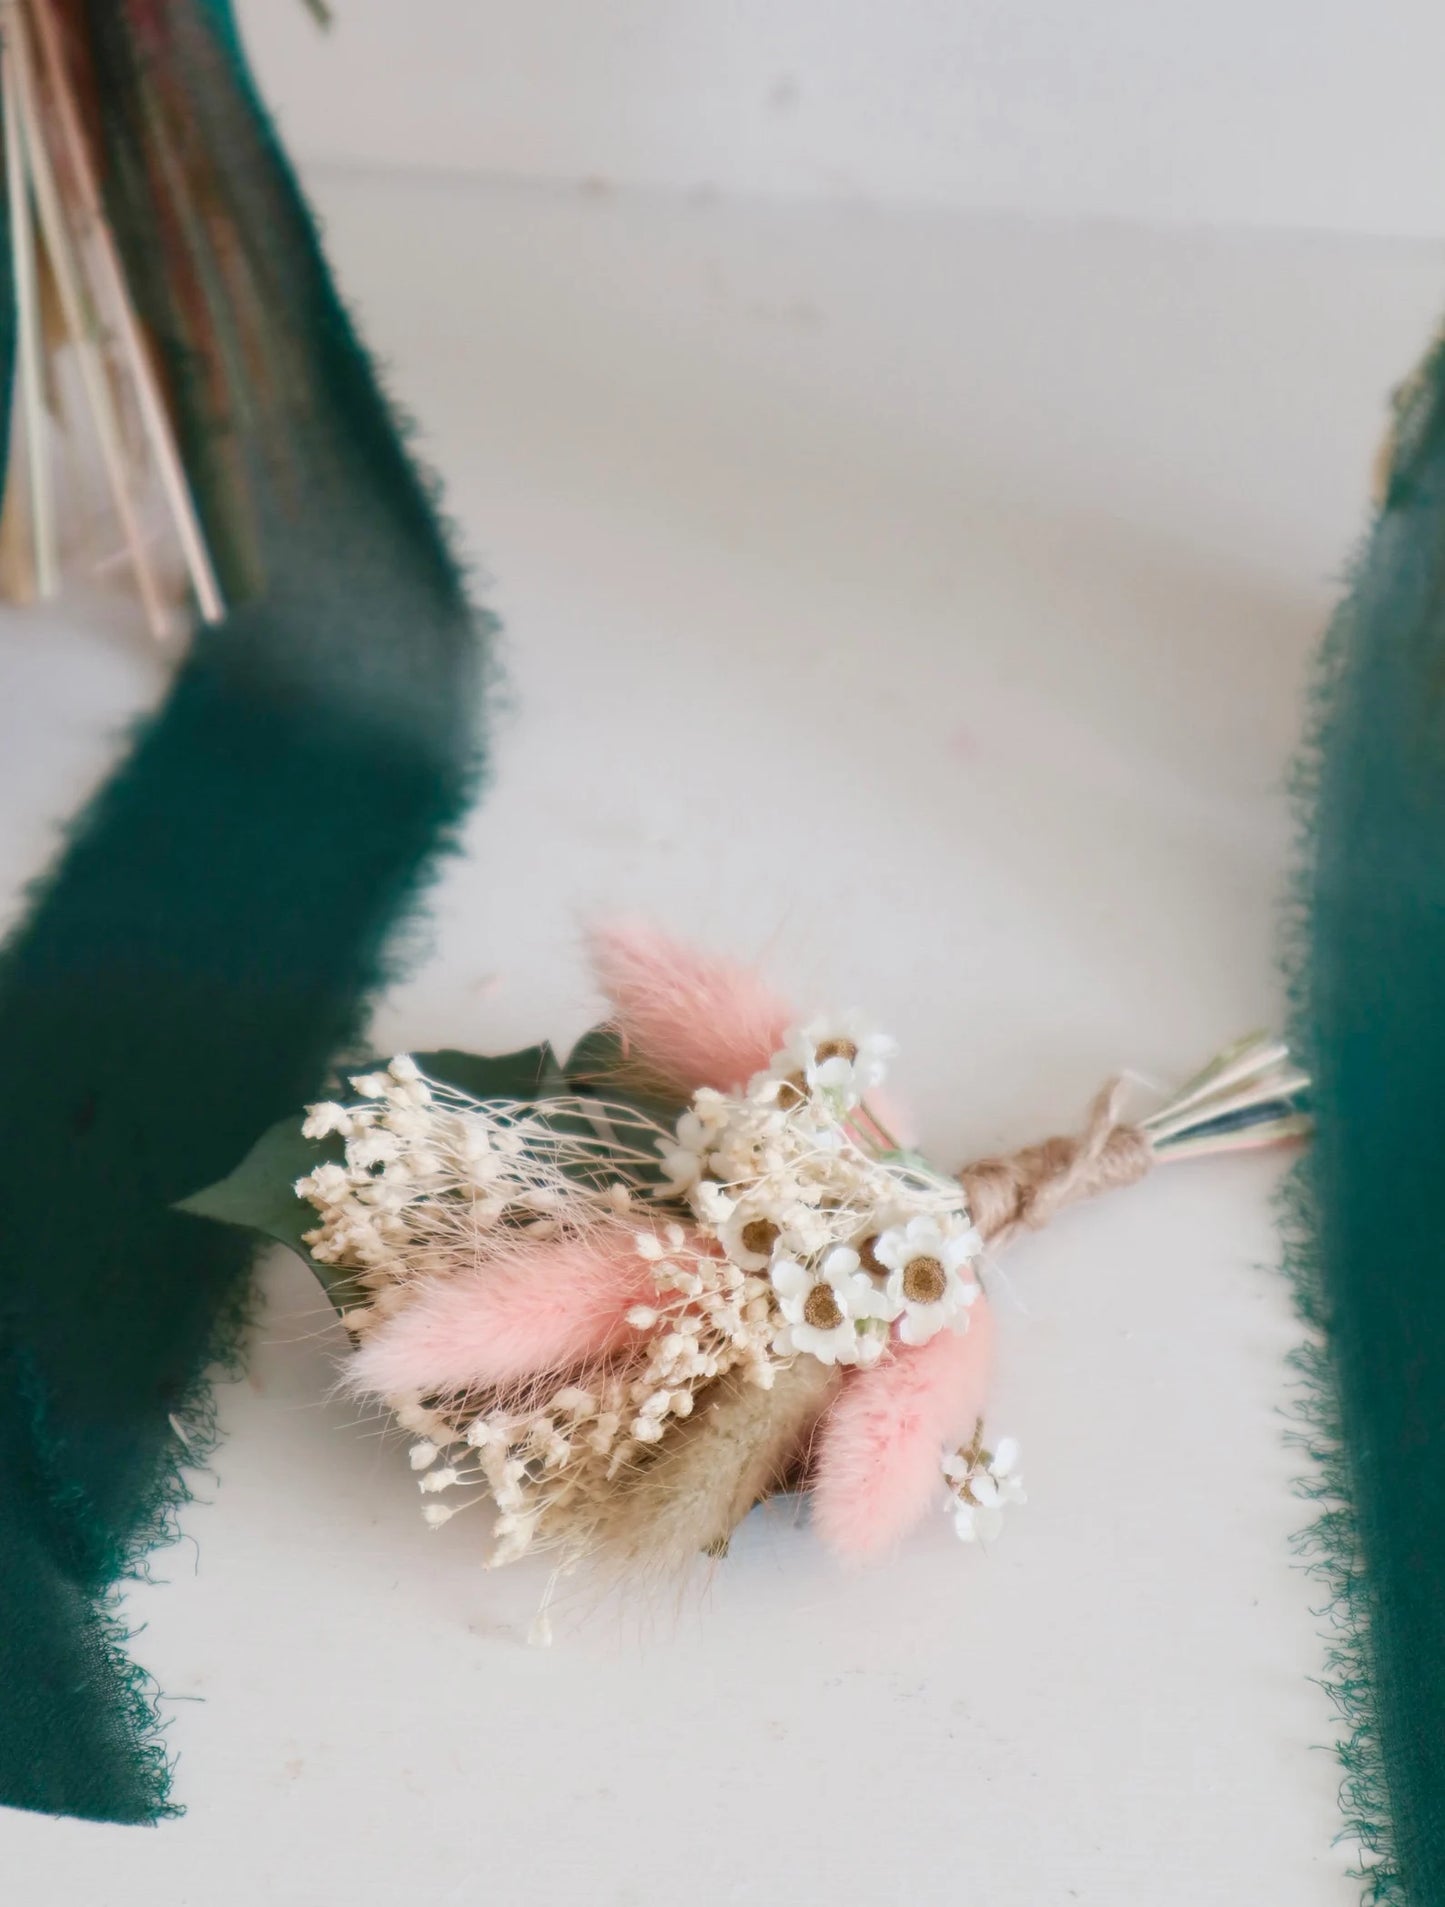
x=924 y=605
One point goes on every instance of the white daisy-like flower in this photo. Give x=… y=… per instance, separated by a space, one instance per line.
x=882 y=1219
x=758 y=1229
x=752 y=1232
x=839 y=1057
x=975 y=1524
x=872 y=1342
x=867 y=1301
x=927 y=1276
x=823 y=1306
x=985 y=1483
x=1004 y=1469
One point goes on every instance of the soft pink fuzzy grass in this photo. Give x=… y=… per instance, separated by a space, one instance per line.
x=691 y=1020
x=877 y=1453
x=531 y=1308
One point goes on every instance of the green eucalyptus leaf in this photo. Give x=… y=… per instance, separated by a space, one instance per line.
x=598 y=1066
x=596 y=1058
x=532 y=1073
x=260 y=1192
x=260 y=1196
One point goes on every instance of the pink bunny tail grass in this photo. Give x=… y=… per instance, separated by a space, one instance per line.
x=528 y=1309
x=876 y=1459
x=689 y=1020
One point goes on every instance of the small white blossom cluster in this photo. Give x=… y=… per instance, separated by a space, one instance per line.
x=427 y=1174
x=403 y=1145
x=981 y=1485
x=796 y=1178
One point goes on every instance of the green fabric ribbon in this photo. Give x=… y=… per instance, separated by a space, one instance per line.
x=1372 y=1252
x=206 y=943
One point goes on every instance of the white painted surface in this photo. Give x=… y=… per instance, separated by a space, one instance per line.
x=925 y=603
x=1318 y=113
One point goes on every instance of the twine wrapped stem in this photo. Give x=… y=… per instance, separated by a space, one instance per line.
x=1022 y=1191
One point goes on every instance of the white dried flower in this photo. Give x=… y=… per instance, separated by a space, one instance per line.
x=821 y=1306
x=371 y=1149
x=983 y=1484
x=326 y=1185
x=838 y=1058
x=575 y=1401
x=685 y=1158
x=421 y=1422
x=753 y=1232
x=322 y=1120
x=711 y=1203
x=927 y=1282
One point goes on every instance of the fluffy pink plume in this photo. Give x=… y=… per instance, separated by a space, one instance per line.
x=692 y=1020
x=531 y=1308
x=876 y=1458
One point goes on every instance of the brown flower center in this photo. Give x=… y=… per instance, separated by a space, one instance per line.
x=924 y=1281
x=821 y=1309
x=760 y=1235
x=868 y=1258
x=793 y=1091
x=836 y=1049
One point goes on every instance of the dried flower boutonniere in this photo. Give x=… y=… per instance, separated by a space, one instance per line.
x=623 y=1297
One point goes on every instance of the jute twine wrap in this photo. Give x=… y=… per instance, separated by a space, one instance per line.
x=1021 y=1191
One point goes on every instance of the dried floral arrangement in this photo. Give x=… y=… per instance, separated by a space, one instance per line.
x=623 y=1297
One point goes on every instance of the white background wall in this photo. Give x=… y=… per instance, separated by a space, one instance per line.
x=1315 y=113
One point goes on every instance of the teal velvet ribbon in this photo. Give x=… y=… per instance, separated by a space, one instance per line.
x=207 y=941
x=1371 y=1024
